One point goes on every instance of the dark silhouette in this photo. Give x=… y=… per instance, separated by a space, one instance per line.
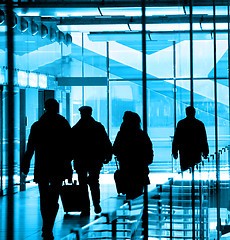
x=190 y=140
x=91 y=148
x=133 y=149
x=49 y=139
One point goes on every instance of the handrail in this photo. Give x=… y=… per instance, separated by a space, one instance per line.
x=187 y=187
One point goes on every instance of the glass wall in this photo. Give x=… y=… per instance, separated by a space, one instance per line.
x=106 y=43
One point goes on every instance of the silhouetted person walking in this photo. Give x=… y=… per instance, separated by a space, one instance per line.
x=133 y=149
x=190 y=140
x=49 y=139
x=91 y=148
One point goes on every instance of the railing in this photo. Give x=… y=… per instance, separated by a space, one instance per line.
x=122 y=223
x=185 y=207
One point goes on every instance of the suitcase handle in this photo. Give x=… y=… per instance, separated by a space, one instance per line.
x=116 y=163
x=72 y=183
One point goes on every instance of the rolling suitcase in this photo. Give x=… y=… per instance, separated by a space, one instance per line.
x=118 y=180
x=71 y=197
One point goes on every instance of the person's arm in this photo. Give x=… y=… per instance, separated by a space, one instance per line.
x=108 y=147
x=116 y=145
x=205 y=148
x=175 y=143
x=29 y=151
x=148 y=150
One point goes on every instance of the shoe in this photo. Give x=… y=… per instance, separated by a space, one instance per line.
x=97 y=209
x=47 y=236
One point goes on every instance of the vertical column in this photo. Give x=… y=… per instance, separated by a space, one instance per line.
x=22 y=133
x=83 y=69
x=41 y=97
x=145 y=213
x=10 y=118
x=229 y=64
x=191 y=51
x=107 y=66
x=191 y=103
x=216 y=125
x=68 y=107
x=1 y=145
x=174 y=77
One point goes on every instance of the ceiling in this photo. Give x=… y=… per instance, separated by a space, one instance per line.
x=167 y=23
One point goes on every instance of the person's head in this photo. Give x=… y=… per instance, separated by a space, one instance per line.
x=52 y=106
x=131 y=119
x=85 y=111
x=190 y=112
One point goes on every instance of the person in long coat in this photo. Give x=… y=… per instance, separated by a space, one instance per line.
x=134 y=152
x=91 y=149
x=49 y=139
x=190 y=139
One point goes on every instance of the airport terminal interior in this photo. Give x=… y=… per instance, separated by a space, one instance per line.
x=151 y=57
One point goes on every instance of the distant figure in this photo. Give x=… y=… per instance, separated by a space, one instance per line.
x=190 y=140
x=133 y=149
x=49 y=139
x=91 y=148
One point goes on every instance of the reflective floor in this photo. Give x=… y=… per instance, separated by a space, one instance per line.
x=27 y=218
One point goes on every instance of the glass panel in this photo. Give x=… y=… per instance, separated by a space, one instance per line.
x=3 y=79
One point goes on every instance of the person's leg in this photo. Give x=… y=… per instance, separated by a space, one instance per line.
x=49 y=194
x=93 y=180
x=82 y=178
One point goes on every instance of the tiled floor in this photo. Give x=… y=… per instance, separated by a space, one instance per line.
x=27 y=218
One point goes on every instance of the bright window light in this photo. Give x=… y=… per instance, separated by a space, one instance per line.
x=150 y=11
x=208 y=10
x=94 y=28
x=30 y=14
x=165 y=27
x=78 y=12
x=3 y=28
x=121 y=11
x=33 y=80
x=42 y=81
x=163 y=11
x=22 y=78
x=2 y=76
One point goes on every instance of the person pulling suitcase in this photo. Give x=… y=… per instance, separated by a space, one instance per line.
x=91 y=149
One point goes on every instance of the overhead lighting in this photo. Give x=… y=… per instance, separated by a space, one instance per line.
x=53 y=34
x=94 y=28
x=34 y=28
x=23 y=24
x=29 y=14
x=60 y=37
x=44 y=31
x=68 y=39
x=15 y=20
x=2 y=17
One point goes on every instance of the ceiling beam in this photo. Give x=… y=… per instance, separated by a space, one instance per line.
x=114 y=3
x=136 y=20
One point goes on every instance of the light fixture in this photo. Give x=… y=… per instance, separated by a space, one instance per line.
x=2 y=17
x=53 y=34
x=15 y=20
x=68 y=39
x=44 y=31
x=23 y=25
x=34 y=28
x=60 y=37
